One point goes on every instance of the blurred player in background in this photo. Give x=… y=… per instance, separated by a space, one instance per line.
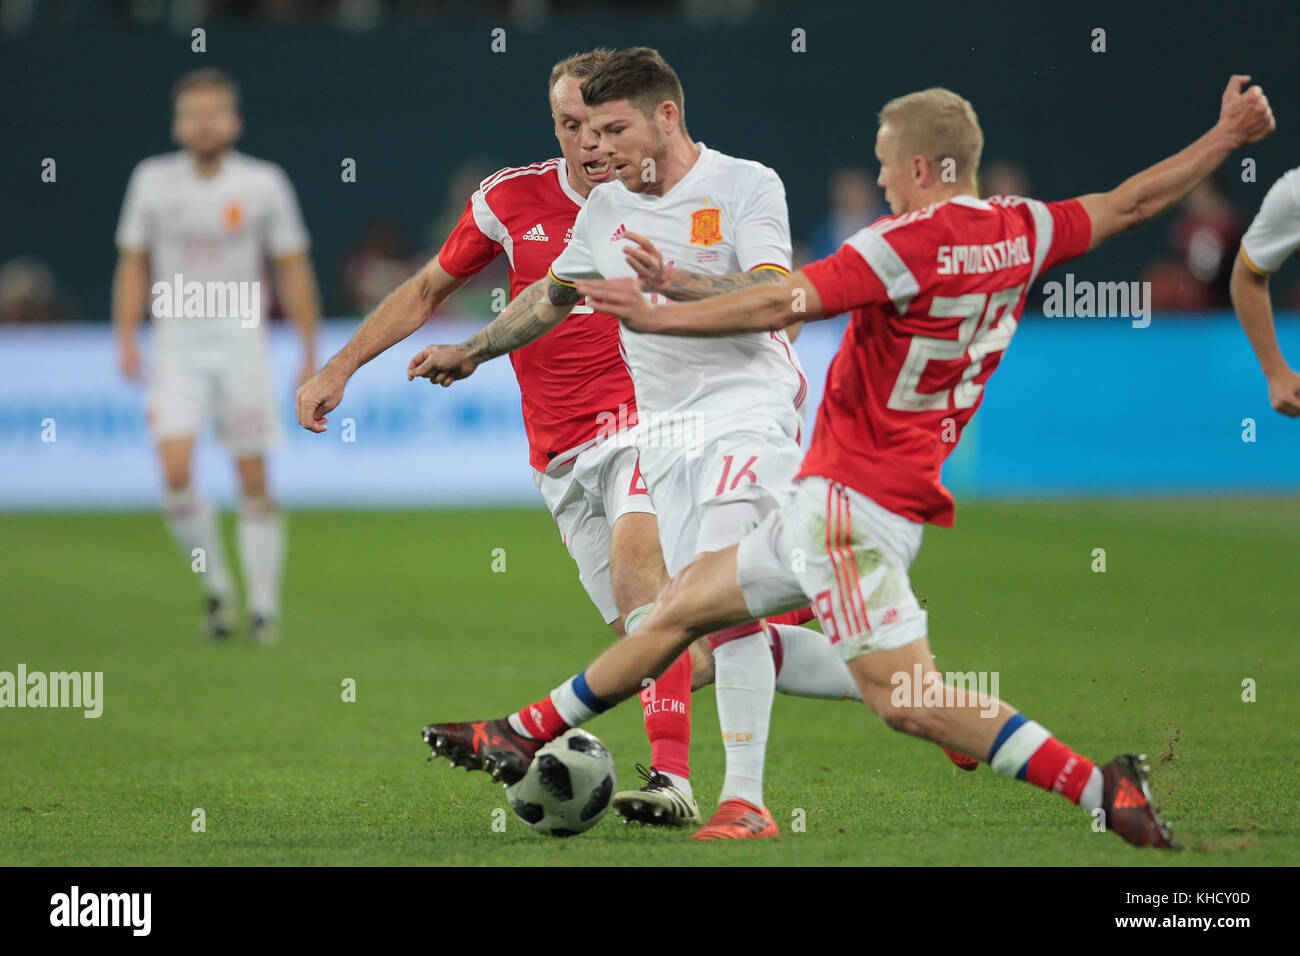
x=196 y=228
x=577 y=398
x=936 y=292
x=1271 y=239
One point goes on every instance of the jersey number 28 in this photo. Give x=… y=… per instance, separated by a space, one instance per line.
x=985 y=328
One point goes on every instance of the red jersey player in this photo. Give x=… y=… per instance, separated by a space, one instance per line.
x=935 y=291
x=576 y=391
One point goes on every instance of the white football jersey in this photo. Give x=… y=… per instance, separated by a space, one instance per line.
x=726 y=215
x=1275 y=232
x=212 y=232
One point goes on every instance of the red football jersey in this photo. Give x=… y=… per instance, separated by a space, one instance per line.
x=572 y=380
x=936 y=295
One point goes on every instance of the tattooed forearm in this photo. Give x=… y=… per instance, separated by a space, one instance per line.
x=532 y=313
x=687 y=286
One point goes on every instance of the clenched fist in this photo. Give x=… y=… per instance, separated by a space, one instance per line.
x=1245 y=116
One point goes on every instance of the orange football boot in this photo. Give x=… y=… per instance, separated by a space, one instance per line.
x=737 y=820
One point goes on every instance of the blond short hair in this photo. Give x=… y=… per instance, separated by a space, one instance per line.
x=937 y=124
x=580 y=65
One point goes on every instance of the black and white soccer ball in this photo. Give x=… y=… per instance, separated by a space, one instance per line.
x=568 y=787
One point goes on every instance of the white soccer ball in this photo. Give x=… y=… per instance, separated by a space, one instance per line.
x=568 y=787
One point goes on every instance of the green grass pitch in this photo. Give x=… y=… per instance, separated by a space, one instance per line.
x=1150 y=655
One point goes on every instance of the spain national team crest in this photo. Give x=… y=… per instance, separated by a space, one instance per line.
x=233 y=215
x=706 y=227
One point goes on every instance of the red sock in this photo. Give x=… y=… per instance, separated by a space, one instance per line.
x=795 y=618
x=1057 y=768
x=541 y=720
x=667 y=707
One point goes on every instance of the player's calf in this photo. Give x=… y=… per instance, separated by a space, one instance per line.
x=1016 y=747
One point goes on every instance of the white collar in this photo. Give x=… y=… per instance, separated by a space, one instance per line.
x=562 y=170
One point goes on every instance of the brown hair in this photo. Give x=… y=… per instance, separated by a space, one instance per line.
x=580 y=65
x=205 y=77
x=639 y=75
x=937 y=124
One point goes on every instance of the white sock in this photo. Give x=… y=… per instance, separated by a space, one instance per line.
x=681 y=783
x=809 y=666
x=261 y=553
x=1090 y=799
x=745 y=685
x=574 y=704
x=193 y=525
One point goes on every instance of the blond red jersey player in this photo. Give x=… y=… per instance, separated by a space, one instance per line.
x=911 y=370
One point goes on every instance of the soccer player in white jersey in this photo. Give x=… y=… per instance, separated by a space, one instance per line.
x=936 y=292
x=196 y=229
x=720 y=421
x=577 y=396
x=1272 y=238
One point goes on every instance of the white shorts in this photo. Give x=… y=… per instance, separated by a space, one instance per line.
x=711 y=498
x=847 y=555
x=586 y=497
x=234 y=388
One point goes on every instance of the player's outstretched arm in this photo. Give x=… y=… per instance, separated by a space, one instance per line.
x=406 y=309
x=1255 y=312
x=1244 y=117
x=760 y=308
x=683 y=285
x=530 y=315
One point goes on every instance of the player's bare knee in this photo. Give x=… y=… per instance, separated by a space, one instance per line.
x=176 y=472
x=252 y=482
x=904 y=718
x=632 y=594
x=637 y=575
x=256 y=506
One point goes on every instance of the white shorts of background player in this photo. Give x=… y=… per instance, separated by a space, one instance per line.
x=586 y=497
x=233 y=388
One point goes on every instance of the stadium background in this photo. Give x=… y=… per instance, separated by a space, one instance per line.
x=419 y=104
x=1086 y=412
